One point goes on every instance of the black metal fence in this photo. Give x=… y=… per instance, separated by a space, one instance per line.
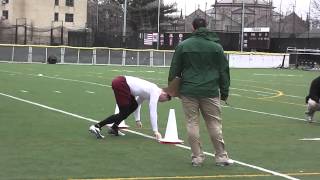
x=22 y=34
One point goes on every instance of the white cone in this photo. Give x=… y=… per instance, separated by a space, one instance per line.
x=171 y=136
x=123 y=124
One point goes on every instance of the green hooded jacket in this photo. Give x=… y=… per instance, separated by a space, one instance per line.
x=202 y=66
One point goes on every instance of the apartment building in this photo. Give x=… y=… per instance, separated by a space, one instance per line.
x=31 y=18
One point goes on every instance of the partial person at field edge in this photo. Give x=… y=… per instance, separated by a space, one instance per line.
x=312 y=100
x=204 y=71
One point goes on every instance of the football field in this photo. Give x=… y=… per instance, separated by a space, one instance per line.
x=46 y=110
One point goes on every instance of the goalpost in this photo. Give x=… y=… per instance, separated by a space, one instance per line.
x=306 y=59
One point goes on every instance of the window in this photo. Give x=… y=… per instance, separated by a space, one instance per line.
x=69 y=18
x=5 y=14
x=56 y=2
x=69 y=3
x=56 y=16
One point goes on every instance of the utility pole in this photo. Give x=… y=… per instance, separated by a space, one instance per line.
x=309 y=24
x=242 y=26
x=62 y=31
x=97 y=14
x=215 y=15
x=294 y=17
x=185 y=15
x=279 y=33
x=124 y=23
x=205 y=12
x=158 y=24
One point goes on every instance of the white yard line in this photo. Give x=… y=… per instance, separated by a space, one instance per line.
x=310 y=139
x=92 y=83
x=147 y=136
x=250 y=90
x=277 y=75
x=59 y=78
x=264 y=92
x=270 y=82
x=265 y=113
x=90 y=92
x=242 y=109
x=73 y=80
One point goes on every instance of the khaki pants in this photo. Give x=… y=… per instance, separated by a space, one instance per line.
x=211 y=112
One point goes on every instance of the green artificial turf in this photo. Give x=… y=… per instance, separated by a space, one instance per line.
x=45 y=112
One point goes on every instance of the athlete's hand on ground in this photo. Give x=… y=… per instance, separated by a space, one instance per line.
x=157 y=135
x=139 y=124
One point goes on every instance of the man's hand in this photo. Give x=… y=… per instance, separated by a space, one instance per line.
x=138 y=124
x=224 y=98
x=157 y=135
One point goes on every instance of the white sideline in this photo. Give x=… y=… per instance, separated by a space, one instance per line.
x=147 y=136
x=265 y=113
x=103 y=85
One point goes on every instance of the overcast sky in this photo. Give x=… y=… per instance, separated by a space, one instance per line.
x=302 y=6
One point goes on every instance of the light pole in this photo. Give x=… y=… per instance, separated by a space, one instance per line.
x=309 y=24
x=242 y=26
x=97 y=14
x=158 y=24
x=185 y=15
x=280 y=19
x=294 y=18
x=124 y=23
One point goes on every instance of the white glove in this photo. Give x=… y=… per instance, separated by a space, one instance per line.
x=138 y=124
x=157 y=135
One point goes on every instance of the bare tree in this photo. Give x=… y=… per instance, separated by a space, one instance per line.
x=105 y=15
x=314 y=9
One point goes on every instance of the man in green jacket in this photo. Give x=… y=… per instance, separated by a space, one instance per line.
x=204 y=71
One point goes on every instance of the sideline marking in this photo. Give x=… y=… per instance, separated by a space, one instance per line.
x=202 y=177
x=73 y=80
x=265 y=113
x=276 y=94
x=90 y=92
x=273 y=95
x=276 y=75
x=300 y=85
x=235 y=95
x=268 y=98
x=144 y=135
x=87 y=82
x=251 y=90
x=58 y=78
x=310 y=139
x=282 y=102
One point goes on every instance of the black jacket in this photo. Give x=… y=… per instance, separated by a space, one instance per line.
x=314 y=92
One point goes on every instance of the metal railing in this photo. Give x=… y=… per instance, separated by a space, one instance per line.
x=123 y=57
x=81 y=55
